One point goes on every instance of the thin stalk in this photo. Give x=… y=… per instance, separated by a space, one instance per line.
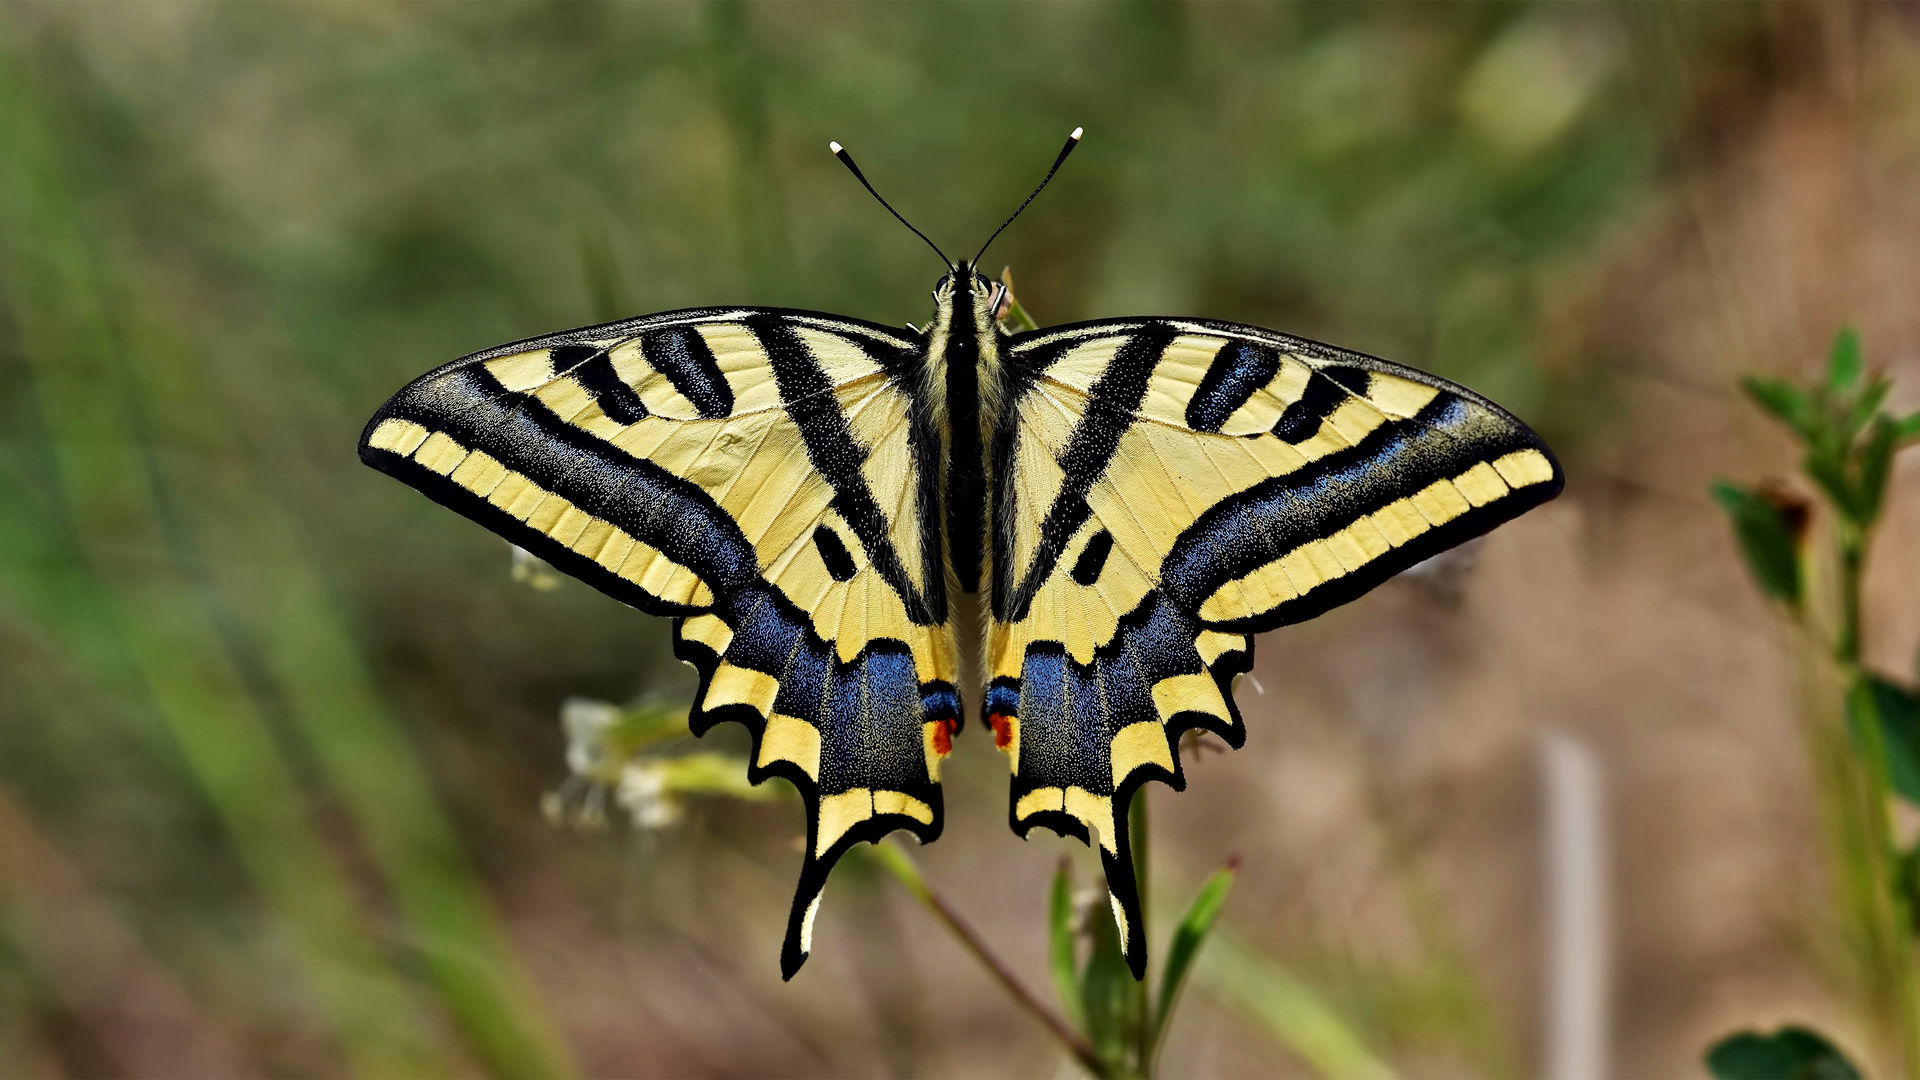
x=903 y=868
x=1853 y=558
x=1016 y=317
x=1138 y=834
x=1873 y=747
x=1897 y=914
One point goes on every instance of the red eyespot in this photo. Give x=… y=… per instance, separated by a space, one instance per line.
x=1002 y=729
x=943 y=737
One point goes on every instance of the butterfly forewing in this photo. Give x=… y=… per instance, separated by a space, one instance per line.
x=765 y=477
x=1165 y=488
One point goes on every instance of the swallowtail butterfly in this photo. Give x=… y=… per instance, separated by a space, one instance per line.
x=807 y=496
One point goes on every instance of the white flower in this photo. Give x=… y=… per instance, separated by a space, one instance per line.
x=609 y=757
x=579 y=802
x=643 y=793
x=586 y=723
x=581 y=799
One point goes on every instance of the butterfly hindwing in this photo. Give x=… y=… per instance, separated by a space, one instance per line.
x=1165 y=488
x=765 y=478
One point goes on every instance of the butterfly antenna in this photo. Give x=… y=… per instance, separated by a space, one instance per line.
x=847 y=160
x=1073 y=140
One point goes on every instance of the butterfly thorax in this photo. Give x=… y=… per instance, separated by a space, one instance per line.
x=963 y=375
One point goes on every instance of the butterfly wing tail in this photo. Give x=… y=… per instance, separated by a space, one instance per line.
x=1085 y=737
x=857 y=739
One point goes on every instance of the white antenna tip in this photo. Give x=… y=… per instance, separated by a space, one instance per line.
x=1076 y=134
x=833 y=146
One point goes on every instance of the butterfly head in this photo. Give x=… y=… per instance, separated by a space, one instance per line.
x=966 y=288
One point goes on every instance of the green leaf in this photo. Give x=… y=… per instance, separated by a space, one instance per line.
x=1876 y=466
x=711 y=773
x=1765 y=540
x=1828 y=472
x=1866 y=406
x=1782 y=400
x=1875 y=700
x=1906 y=878
x=649 y=724
x=1792 y=1053
x=1844 y=362
x=1107 y=993
x=1066 y=979
x=1192 y=932
x=1907 y=428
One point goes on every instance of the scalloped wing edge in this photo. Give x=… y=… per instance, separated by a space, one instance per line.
x=1233 y=659
x=797 y=944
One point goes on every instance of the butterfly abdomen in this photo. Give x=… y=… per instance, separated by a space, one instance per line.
x=966 y=478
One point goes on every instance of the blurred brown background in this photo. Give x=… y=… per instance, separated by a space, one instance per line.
x=274 y=731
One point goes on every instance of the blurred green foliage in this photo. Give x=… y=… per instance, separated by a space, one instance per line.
x=288 y=719
x=1791 y=544
x=1791 y=1053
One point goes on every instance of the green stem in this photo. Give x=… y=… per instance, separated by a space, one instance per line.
x=1853 y=558
x=1897 y=913
x=1016 y=318
x=903 y=868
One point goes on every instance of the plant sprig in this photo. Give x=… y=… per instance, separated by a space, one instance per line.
x=1848 y=442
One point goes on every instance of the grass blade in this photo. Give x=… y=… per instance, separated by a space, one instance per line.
x=1298 y=1018
x=1876 y=468
x=178 y=662
x=1066 y=976
x=1192 y=933
x=1844 y=362
x=222 y=605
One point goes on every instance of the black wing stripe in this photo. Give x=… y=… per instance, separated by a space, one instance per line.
x=682 y=355
x=1093 y=559
x=1110 y=412
x=594 y=370
x=1239 y=370
x=833 y=553
x=1301 y=420
x=837 y=456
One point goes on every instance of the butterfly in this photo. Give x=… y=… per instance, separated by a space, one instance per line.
x=810 y=496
